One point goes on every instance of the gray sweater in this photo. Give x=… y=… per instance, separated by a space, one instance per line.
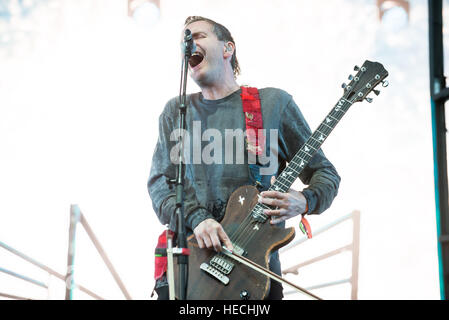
x=214 y=170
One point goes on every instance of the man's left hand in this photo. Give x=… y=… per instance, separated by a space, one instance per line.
x=286 y=205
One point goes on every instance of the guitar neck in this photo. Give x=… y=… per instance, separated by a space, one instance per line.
x=285 y=180
x=365 y=81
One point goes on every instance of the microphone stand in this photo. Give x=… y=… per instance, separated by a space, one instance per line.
x=182 y=259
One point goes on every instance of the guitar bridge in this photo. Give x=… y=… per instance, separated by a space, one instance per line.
x=222 y=264
x=214 y=273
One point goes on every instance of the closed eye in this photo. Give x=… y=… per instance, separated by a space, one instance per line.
x=198 y=35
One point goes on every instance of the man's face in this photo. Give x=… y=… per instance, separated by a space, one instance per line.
x=207 y=63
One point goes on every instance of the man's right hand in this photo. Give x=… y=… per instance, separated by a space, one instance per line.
x=210 y=233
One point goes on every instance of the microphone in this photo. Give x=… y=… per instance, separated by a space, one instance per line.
x=188 y=47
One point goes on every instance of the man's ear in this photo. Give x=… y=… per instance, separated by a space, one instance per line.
x=228 y=50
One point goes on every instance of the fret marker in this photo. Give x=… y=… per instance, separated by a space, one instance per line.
x=301 y=164
x=286 y=173
x=328 y=120
x=321 y=138
x=339 y=105
x=242 y=199
x=256 y=227
x=306 y=149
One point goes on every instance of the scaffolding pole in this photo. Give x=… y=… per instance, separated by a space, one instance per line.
x=439 y=95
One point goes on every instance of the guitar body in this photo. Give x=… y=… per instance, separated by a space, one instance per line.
x=266 y=239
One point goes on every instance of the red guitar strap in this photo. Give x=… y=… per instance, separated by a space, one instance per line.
x=253 y=118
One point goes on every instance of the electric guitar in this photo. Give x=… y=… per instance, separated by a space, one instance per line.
x=217 y=276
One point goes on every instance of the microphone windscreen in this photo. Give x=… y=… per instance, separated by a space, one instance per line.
x=184 y=46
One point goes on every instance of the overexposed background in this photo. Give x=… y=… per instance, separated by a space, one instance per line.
x=81 y=88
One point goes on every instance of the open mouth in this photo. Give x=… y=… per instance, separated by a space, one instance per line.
x=196 y=59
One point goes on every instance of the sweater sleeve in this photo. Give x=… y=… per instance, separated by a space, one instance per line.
x=163 y=197
x=320 y=175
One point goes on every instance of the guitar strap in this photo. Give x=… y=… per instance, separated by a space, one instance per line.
x=255 y=137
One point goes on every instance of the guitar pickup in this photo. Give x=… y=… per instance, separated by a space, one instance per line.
x=214 y=273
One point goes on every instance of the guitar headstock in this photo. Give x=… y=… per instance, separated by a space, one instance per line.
x=368 y=76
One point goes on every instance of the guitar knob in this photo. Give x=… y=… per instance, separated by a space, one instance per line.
x=244 y=295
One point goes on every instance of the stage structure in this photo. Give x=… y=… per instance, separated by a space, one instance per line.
x=439 y=94
x=51 y=273
x=75 y=217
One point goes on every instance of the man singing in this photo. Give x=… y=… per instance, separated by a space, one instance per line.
x=210 y=176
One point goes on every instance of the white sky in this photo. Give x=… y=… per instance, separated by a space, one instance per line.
x=81 y=89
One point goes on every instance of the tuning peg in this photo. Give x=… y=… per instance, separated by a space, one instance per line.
x=356 y=68
x=376 y=92
x=350 y=77
x=343 y=85
x=385 y=83
x=369 y=99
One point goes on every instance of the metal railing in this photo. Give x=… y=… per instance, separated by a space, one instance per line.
x=353 y=247
x=75 y=217
x=50 y=271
